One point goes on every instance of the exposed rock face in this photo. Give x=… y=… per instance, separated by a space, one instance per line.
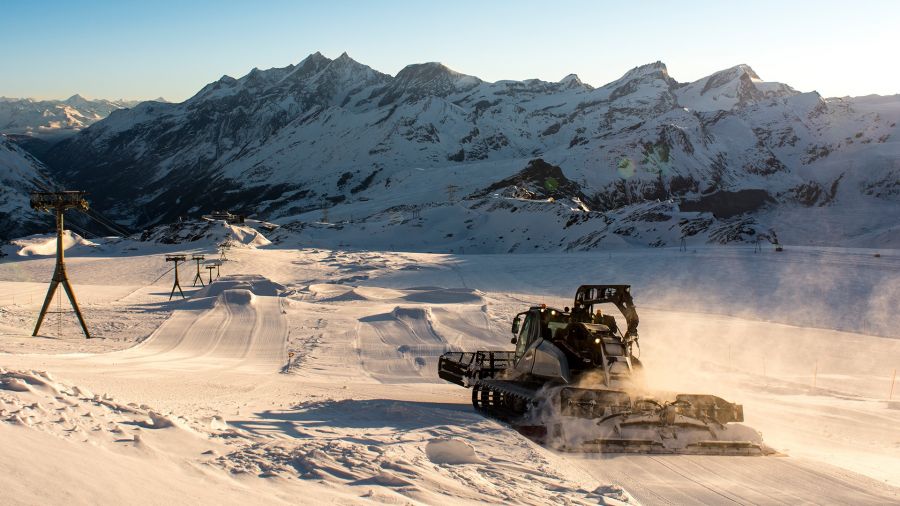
x=726 y=204
x=335 y=133
x=537 y=181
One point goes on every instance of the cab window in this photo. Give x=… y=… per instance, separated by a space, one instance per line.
x=524 y=333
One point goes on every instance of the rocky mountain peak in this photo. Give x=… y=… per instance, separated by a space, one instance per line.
x=572 y=81
x=76 y=100
x=316 y=57
x=742 y=69
x=647 y=86
x=307 y=67
x=423 y=73
x=345 y=62
x=312 y=63
x=427 y=79
x=651 y=70
x=733 y=87
x=740 y=72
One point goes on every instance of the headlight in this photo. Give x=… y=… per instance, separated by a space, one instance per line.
x=597 y=340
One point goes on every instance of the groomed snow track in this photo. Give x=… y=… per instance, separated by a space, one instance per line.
x=236 y=322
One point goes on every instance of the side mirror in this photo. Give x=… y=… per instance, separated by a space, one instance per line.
x=515 y=325
x=514 y=340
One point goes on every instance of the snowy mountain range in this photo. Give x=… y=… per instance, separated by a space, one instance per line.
x=642 y=160
x=54 y=117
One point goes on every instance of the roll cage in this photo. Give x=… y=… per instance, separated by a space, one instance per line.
x=587 y=296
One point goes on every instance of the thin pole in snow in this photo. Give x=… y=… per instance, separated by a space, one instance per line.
x=815 y=373
x=893 y=379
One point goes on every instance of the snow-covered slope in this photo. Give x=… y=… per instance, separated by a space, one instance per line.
x=732 y=150
x=45 y=244
x=45 y=117
x=20 y=174
x=250 y=234
x=309 y=375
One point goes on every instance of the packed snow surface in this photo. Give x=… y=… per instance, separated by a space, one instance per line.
x=310 y=375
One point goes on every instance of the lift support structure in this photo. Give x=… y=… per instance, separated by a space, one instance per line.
x=58 y=203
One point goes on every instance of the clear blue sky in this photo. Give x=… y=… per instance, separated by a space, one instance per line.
x=145 y=49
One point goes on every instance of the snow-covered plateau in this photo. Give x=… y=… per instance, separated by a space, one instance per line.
x=308 y=375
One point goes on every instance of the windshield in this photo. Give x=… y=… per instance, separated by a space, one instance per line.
x=553 y=321
x=524 y=332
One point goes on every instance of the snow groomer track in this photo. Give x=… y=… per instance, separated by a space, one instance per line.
x=236 y=322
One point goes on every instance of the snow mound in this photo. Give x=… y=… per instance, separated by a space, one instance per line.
x=444 y=296
x=45 y=244
x=401 y=346
x=158 y=421
x=346 y=295
x=451 y=452
x=614 y=495
x=374 y=293
x=246 y=236
x=218 y=423
x=412 y=314
x=239 y=297
x=330 y=292
x=327 y=290
x=14 y=384
x=258 y=285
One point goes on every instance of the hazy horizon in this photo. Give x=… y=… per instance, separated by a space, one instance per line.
x=136 y=51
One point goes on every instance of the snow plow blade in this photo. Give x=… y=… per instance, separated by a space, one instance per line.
x=644 y=446
x=598 y=403
x=610 y=421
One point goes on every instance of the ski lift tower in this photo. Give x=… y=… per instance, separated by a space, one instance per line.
x=58 y=203
x=223 y=249
x=198 y=277
x=176 y=259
